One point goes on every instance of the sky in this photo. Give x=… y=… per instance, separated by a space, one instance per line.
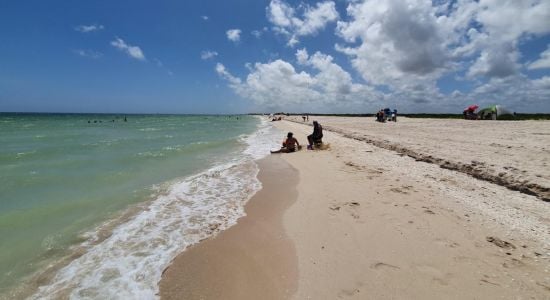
x=241 y=56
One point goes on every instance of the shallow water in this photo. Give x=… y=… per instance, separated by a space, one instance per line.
x=62 y=179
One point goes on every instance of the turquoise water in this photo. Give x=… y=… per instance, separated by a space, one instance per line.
x=61 y=175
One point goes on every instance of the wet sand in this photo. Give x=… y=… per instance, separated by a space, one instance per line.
x=253 y=259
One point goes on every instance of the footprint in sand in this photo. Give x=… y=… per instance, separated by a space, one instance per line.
x=352 y=208
x=374 y=171
x=334 y=207
x=405 y=189
x=428 y=210
x=545 y=286
x=399 y=190
x=513 y=263
x=500 y=243
x=489 y=282
x=437 y=275
x=447 y=243
x=381 y=265
x=350 y=292
x=354 y=166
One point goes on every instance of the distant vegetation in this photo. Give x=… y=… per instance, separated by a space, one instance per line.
x=318 y=114
x=528 y=117
x=434 y=116
x=517 y=117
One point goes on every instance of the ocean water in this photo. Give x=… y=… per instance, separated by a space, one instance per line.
x=96 y=210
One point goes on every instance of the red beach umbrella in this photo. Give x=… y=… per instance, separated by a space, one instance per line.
x=472 y=107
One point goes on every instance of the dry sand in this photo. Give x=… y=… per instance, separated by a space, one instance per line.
x=513 y=154
x=373 y=223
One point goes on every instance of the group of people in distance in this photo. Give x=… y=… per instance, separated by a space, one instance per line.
x=291 y=144
x=386 y=114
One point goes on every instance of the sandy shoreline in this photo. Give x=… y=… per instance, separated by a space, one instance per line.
x=251 y=260
x=370 y=223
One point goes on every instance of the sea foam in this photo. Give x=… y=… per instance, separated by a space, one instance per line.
x=129 y=263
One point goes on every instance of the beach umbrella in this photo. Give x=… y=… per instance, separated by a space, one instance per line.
x=472 y=107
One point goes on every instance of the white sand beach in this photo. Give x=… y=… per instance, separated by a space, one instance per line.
x=406 y=221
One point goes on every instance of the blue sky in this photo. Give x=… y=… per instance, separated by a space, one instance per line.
x=248 y=56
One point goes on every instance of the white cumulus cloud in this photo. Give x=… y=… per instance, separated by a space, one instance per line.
x=499 y=61
x=504 y=23
x=405 y=42
x=510 y=19
x=399 y=41
x=278 y=84
x=543 y=62
x=285 y=20
x=542 y=84
x=515 y=92
x=405 y=52
x=233 y=81
x=233 y=35
x=132 y=51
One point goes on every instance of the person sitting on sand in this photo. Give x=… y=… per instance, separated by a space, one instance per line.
x=380 y=116
x=289 y=145
x=316 y=136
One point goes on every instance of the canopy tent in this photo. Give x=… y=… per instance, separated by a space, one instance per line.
x=471 y=108
x=470 y=112
x=493 y=112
